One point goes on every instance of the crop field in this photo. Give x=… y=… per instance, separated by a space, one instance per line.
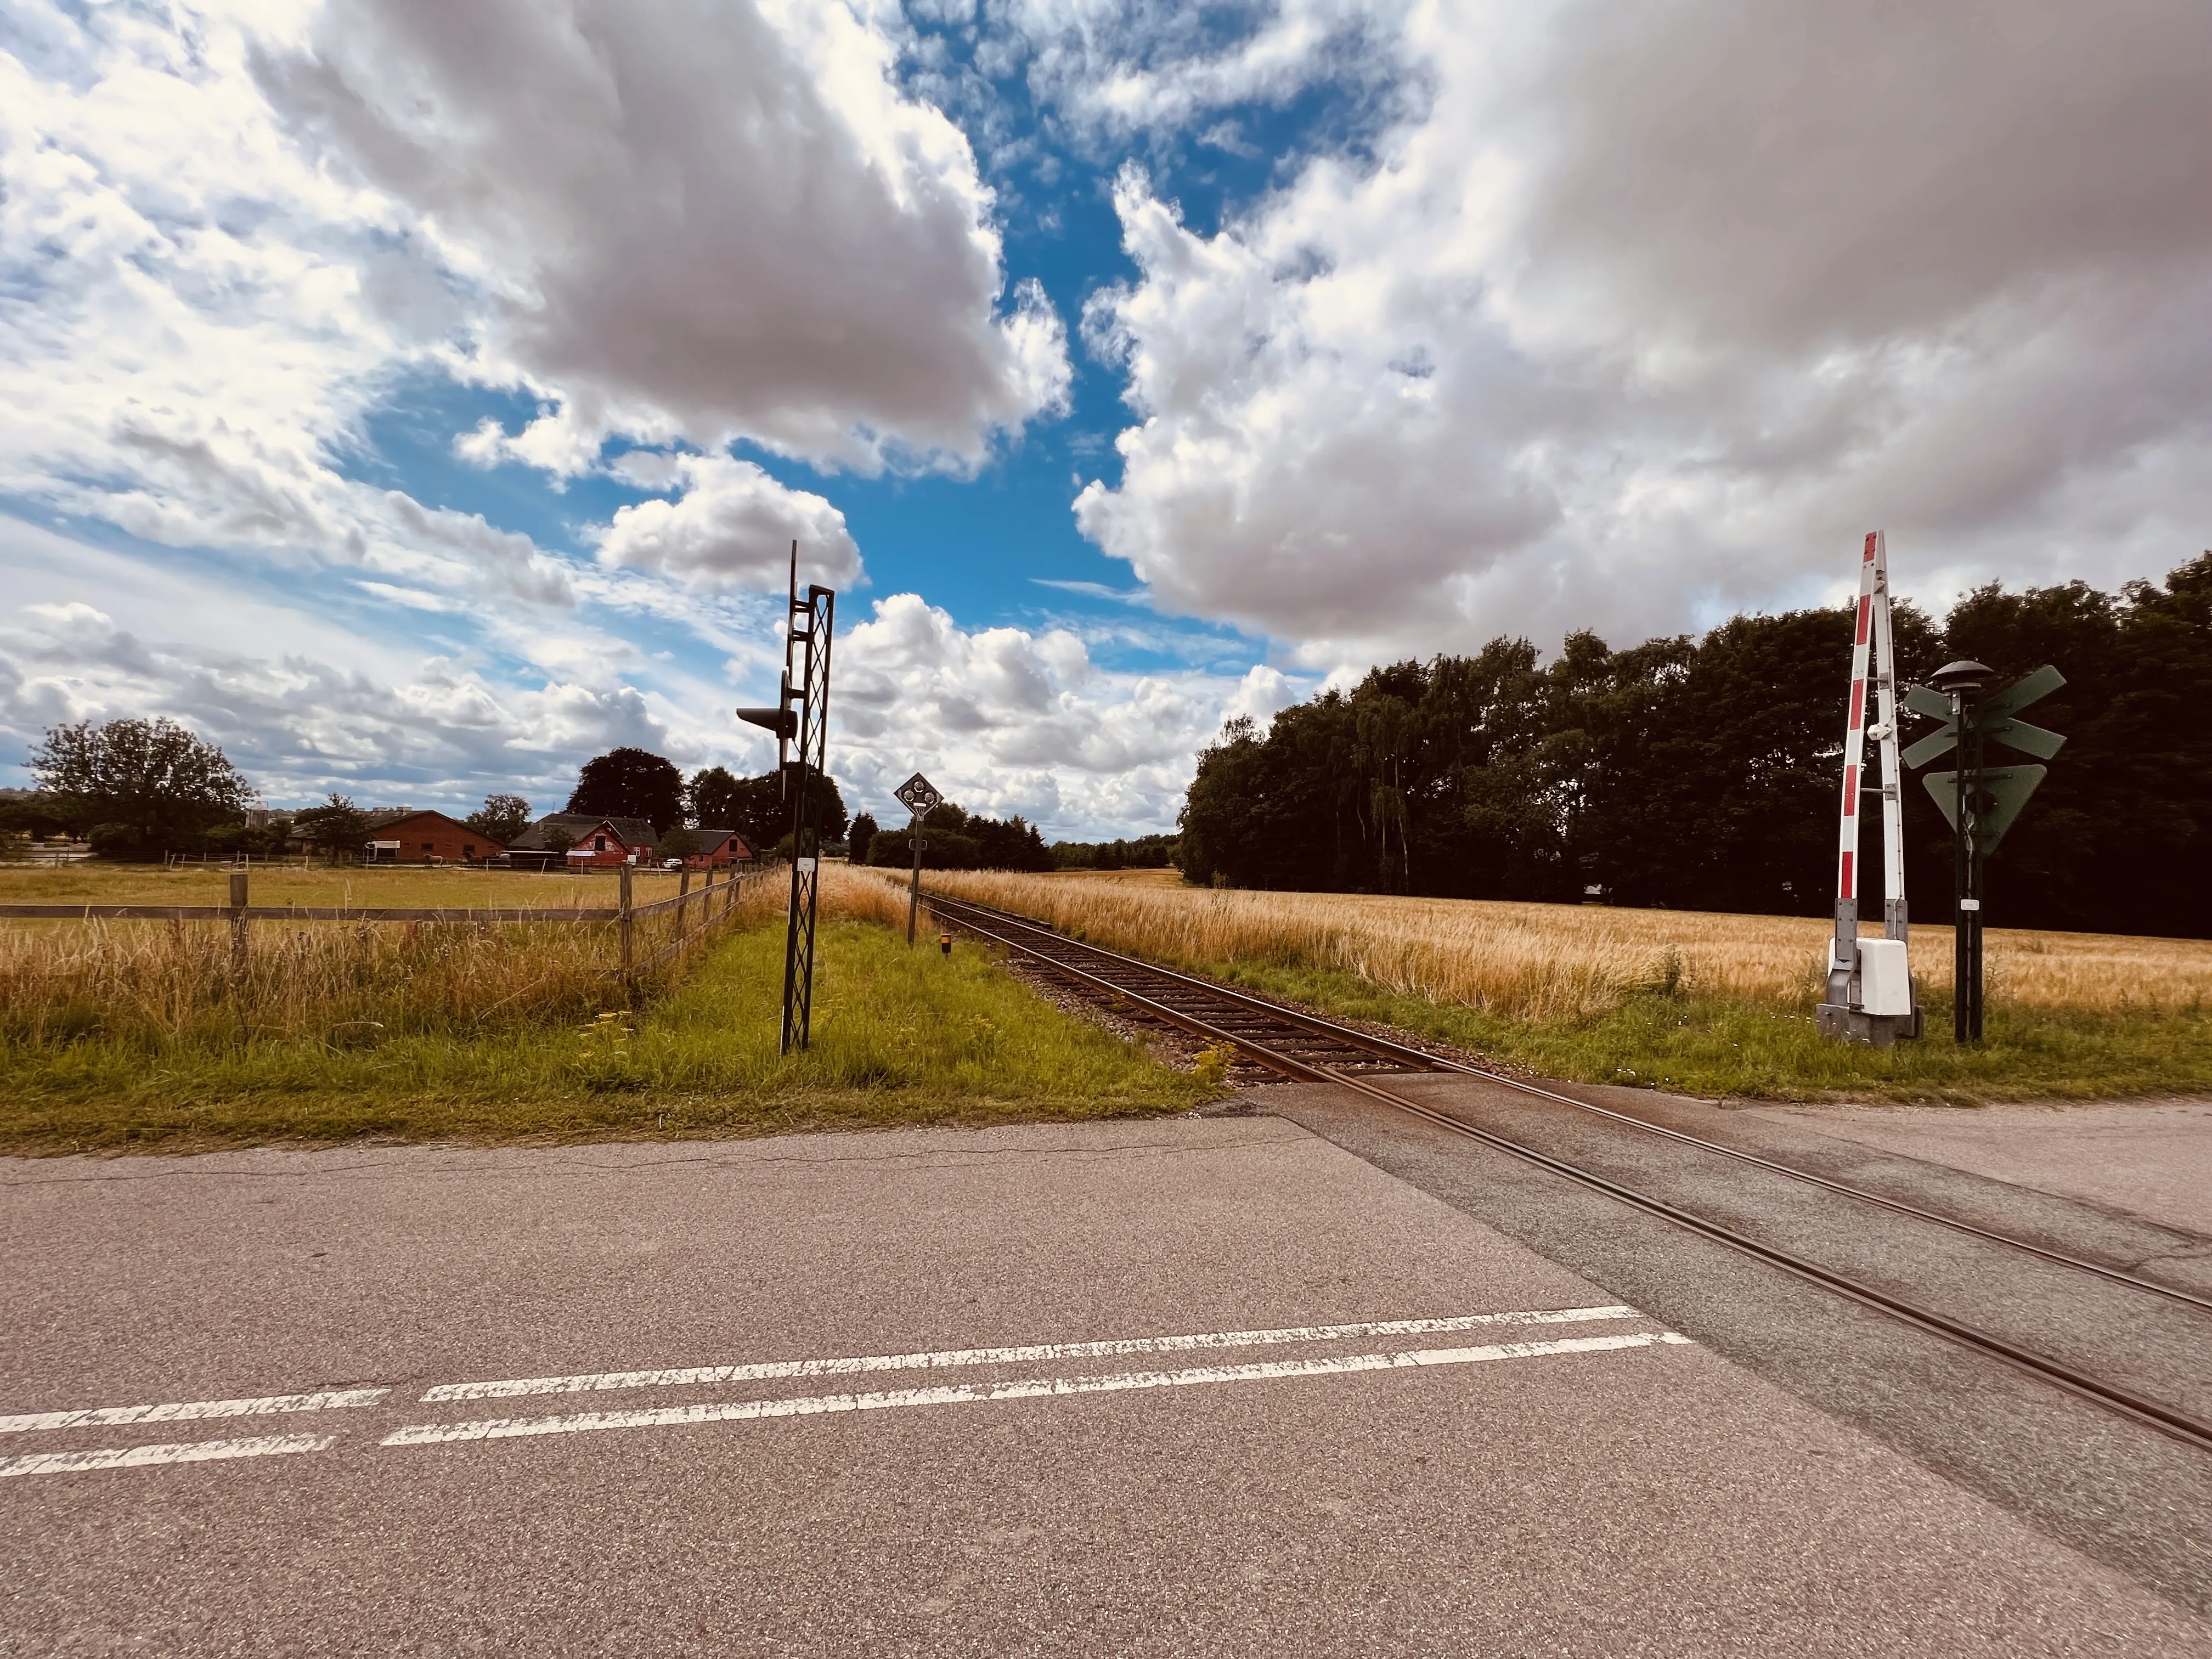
x=143 y=1034
x=1713 y=1004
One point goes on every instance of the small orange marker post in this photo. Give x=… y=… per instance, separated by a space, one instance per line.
x=945 y=942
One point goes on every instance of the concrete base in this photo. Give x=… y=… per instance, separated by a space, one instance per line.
x=1848 y=1024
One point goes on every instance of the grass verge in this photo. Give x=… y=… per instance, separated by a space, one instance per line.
x=899 y=1037
x=1719 y=1047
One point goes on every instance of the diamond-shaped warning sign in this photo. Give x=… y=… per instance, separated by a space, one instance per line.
x=918 y=796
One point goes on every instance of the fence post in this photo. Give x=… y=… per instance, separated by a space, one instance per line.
x=628 y=927
x=683 y=892
x=238 y=924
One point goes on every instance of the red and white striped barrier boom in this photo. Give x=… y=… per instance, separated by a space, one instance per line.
x=1873 y=714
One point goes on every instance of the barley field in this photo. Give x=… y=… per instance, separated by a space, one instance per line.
x=1553 y=962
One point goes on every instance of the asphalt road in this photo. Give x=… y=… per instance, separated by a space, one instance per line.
x=759 y=1397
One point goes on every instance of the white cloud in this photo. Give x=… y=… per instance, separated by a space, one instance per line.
x=1116 y=68
x=1641 y=314
x=732 y=525
x=710 y=221
x=199 y=317
x=303 y=704
x=1006 y=720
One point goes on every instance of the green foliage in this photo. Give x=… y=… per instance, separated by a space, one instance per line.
x=31 y=814
x=679 y=843
x=630 y=783
x=759 y=809
x=857 y=838
x=501 y=819
x=1703 y=775
x=335 y=828
x=1141 y=852
x=956 y=839
x=147 y=784
x=941 y=849
x=899 y=1036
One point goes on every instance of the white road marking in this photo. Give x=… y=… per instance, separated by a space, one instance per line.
x=595 y=1381
x=502 y=1428
x=197 y=1451
x=184 y=1411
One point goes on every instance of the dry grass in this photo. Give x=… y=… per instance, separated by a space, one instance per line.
x=166 y=985
x=1549 y=963
x=408 y=885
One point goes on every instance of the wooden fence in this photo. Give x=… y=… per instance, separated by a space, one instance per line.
x=714 y=901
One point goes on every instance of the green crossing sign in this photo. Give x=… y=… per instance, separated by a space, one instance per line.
x=1996 y=720
x=1994 y=797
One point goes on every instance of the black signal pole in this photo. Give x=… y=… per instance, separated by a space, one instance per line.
x=801 y=715
x=1962 y=682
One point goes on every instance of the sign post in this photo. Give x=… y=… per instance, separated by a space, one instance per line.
x=1981 y=801
x=919 y=797
x=801 y=714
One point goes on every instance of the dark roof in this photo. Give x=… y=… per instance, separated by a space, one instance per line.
x=713 y=835
x=378 y=819
x=635 y=833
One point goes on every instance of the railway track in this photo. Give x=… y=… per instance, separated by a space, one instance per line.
x=1294 y=1043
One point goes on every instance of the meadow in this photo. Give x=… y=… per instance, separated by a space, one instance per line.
x=1711 y=1004
x=122 y=1036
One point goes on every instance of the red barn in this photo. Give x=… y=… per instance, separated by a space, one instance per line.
x=406 y=837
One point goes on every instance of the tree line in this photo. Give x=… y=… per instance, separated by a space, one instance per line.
x=145 y=788
x=1703 y=774
x=952 y=839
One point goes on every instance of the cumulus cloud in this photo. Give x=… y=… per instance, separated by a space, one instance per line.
x=710 y=220
x=1005 y=720
x=198 y=318
x=1638 y=314
x=305 y=705
x=732 y=525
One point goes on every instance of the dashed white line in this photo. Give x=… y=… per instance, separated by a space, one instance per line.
x=423 y=1434
x=197 y=1452
x=952 y=1357
x=184 y=1411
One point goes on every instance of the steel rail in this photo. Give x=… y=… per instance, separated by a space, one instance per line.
x=2124 y=1402
x=1438 y=1062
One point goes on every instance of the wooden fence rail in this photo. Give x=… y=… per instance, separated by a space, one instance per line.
x=715 y=902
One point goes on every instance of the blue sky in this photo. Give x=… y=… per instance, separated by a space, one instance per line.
x=1127 y=367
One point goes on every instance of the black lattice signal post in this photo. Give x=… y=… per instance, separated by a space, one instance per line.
x=801 y=717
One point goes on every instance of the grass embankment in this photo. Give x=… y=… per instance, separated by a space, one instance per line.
x=899 y=1036
x=1707 y=1005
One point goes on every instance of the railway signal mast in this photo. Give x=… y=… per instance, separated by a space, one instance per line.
x=801 y=715
x=919 y=797
x=1871 y=997
x=1980 y=801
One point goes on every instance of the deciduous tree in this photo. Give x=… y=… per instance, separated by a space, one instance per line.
x=153 y=779
x=630 y=783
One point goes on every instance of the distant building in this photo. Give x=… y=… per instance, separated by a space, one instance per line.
x=593 y=842
x=717 y=849
x=402 y=836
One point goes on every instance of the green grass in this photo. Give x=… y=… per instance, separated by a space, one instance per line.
x=899 y=1037
x=1719 y=1047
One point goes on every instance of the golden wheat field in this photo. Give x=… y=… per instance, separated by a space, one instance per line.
x=1553 y=962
